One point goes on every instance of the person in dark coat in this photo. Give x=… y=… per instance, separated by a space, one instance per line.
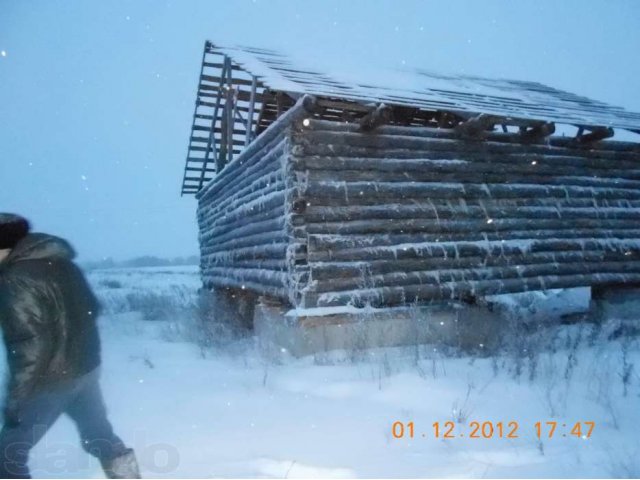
x=48 y=317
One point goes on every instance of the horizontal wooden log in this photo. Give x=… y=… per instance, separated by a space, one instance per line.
x=265 y=251
x=522 y=163
x=384 y=190
x=238 y=221
x=273 y=278
x=214 y=245
x=390 y=296
x=270 y=162
x=259 y=190
x=266 y=264
x=263 y=161
x=232 y=232
x=258 y=209
x=466 y=175
x=266 y=185
x=246 y=201
x=436 y=277
x=325 y=247
x=271 y=134
x=210 y=281
x=377 y=226
x=361 y=200
x=556 y=141
x=332 y=270
x=256 y=238
x=320 y=214
x=308 y=149
x=274 y=217
x=478 y=248
x=262 y=187
x=341 y=202
x=344 y=142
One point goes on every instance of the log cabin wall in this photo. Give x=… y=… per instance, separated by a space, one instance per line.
x=241 y=218
x=410 y=214
x=244 y=218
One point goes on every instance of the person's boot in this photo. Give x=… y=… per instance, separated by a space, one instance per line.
x=122 y=466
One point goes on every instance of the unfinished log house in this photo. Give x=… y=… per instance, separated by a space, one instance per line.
x=317 y=192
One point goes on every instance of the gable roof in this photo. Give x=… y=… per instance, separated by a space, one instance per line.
x=263 y=84
x=424 y=89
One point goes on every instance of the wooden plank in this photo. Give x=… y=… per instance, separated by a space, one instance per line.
x=252 y=100
x=220 y=65
x=193 y=122
x=217 y=80
x=216 y=130
x=212 y=105
x=194 y=169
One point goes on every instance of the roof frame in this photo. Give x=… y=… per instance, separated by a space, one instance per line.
x=251 y=88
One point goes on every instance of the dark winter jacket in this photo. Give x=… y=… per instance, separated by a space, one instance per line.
x=48 y=316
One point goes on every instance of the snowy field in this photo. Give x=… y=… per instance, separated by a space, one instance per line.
x=227 y=412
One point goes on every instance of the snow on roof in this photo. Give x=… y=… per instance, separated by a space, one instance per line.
x=252 y=81
x=424 y=89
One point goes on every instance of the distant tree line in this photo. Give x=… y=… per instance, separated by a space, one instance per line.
x=143 y=261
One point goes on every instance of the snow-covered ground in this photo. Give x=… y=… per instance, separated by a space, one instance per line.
x=230 y=413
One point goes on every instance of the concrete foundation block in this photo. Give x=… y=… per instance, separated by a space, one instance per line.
x=305 y=332
x=622 y=303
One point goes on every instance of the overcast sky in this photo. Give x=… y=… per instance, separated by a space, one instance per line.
x=96 y=97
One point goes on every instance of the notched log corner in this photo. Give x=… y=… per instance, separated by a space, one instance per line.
x=299 y=205
x=537 y=133
x=595 y=135
x=476 y=128
x=310 y=103
x=379 y=115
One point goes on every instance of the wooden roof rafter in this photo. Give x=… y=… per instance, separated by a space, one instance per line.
x=224 y=119
x=243 y=90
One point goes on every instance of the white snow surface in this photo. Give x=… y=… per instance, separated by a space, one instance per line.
x=232 y=413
